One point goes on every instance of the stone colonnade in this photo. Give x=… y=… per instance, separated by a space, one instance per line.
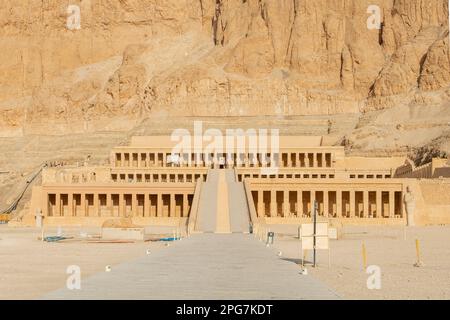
x=117 y=204
x=157 y=177
x=351 y=203
x=289 y=159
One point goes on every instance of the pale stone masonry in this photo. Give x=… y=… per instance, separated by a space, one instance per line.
x=149 y=183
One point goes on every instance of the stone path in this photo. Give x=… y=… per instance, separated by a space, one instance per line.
x=204 y=266
x=206 y=217
x=239 y=215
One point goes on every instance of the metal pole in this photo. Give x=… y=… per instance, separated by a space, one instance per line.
x=314 y=234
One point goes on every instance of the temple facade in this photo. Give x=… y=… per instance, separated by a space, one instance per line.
x=159 y=181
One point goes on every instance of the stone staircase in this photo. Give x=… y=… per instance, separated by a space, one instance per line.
x=237 y=203
x=223 y=204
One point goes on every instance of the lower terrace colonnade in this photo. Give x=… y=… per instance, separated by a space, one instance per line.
x=289 y=203
x=120 y=204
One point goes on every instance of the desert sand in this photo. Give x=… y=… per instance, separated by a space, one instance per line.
x=393 y=249
x=29 y=268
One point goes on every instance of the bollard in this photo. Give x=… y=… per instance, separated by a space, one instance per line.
x=305 y=253
x=419 y=263
x=270 y=236
x=364 y=255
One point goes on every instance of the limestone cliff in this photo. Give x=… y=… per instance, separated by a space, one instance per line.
x=132 y=59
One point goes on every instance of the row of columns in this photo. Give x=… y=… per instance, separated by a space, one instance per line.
x=261 y=210
x=157 y=177
x=56 y=209
x=288 y=159
x=240 y=177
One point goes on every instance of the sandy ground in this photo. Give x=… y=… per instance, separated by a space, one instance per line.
x=390 y=248
x=29 y=268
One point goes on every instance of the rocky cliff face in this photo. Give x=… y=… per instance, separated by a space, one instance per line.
x=132 y=59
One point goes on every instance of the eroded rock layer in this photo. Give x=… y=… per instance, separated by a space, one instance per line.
x=135 y=58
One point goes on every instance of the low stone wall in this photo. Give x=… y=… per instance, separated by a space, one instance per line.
x=340 y=221
x=99 y=221
x=433 y=204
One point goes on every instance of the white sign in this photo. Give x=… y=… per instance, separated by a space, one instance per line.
x=321 y=243
x=307 y=229
x=307 y=236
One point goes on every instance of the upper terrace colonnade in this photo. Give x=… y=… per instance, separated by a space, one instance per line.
x=226 y=152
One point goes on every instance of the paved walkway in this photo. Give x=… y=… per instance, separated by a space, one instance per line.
x=205 y=266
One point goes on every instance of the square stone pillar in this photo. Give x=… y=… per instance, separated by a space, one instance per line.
x=146 y=205
x=299 y=203
x=245 y=164
x=45 y=204
x=339 y=203
x=272 y=159
x=121 y=205
x=289 y=160
x=286 y=210
x=96 y=205
x=159 y=206
x=313 y=198
x=185 y=212
x=260 y=204
x=134 y=205
x=109 y=205
x=84 y=212
x=365 y=204
x=325 y=203
x=155 y=160
x=70 y=205
x=172 y=212
x=263 y=157
x=273 y=203
x=315 y=160
x=57 y=205
x=164 y=164
x=352 y=203
x=197 y=159
x=391 y=204
x=379 y=204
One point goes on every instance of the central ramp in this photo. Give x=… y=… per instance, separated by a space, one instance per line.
x=223 y=204
x=237 y=202
x=202 y=267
